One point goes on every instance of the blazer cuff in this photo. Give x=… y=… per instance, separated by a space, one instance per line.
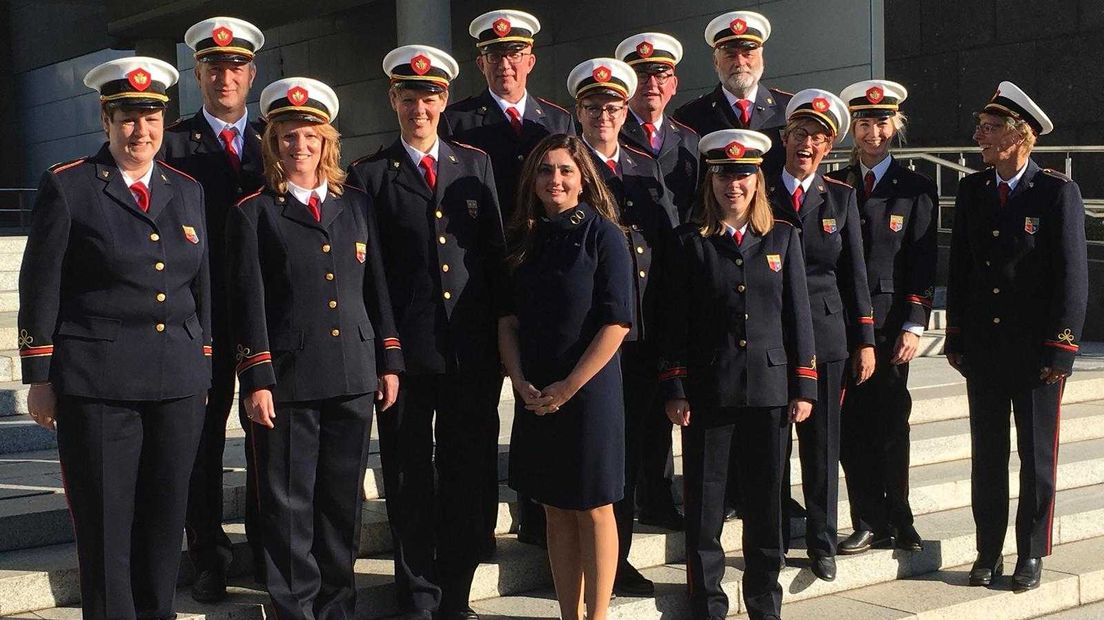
x=390 y=359
x=1059 y=355
x=671 y=381
x=36 y=367
x=919 y=309
x=255 y=371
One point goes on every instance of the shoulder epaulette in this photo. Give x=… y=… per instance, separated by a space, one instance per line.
x=65 y=165
x=245 y=198
x=836 y=181
x=1058 y=175
x=790 y=224
x=366 y=157
x=180 y=172
x=637 y=151
x=781 y=92
x=177 y=122
x=467 y=146
x=675 y=121
x=554 y=105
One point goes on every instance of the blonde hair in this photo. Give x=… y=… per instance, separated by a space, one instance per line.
x=900 y=126
x=529 y=210
x=329 y=164
x=711 y=216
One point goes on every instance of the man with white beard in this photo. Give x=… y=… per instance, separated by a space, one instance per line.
x=740 y=101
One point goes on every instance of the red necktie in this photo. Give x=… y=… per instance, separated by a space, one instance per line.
x=798 y=195
x=1003 y=190
x=738 y=236
x=227 y=136
x=141 y=195
x=612 y=165
x=653 y=136
x=745 y=111
x=868 y=183
x=315 y=207
x=430 y=170
x=515 y=119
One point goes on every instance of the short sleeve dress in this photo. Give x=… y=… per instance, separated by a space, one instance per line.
x=576 y=279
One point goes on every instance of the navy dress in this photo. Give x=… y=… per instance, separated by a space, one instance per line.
x=576 y=279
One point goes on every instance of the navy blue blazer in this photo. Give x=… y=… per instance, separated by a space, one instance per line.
x=677 y=157
x=736 y=329
x=444 y=255
x=114 y=303
x=1018 y=274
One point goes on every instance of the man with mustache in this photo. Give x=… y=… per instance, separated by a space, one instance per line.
x=740 y=101
x=221 y=148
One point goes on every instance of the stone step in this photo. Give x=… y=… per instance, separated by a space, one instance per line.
x=9 y=280
x=1087 y=611
x=13 y=244
x=932 y=343
x=938 y=319
x=949 y=545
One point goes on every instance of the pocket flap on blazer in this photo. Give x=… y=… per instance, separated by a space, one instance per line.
x=91 y=328
x=286 y=341
x=833 y=304
x=777 y=356
x=366 y=331
x=192 y=326
x=885 y=285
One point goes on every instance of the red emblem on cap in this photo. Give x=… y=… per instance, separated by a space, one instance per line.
x=735 y=150
x=738 y=26
x=297 y=95
x=820 y=104
x=875 y=94
x=139 y=79
x=602 y=74
x=645 y=49
x=421 y=64
x=501 y=27
x=222 y=36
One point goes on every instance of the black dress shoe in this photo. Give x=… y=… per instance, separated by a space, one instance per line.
x=529 y=537
x=629 y=582
x=862 y=541
x=824 y=567
x=983 y=572
x=1029 y=572
x=668 y=518
x=209 y=586
x=908 y=539
x=466 y=613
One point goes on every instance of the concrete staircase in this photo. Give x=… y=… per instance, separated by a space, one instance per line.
x=38 y=568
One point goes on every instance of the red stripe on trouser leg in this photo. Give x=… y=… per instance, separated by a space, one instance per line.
x=1054 y=469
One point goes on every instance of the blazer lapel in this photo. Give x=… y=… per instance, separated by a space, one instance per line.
x=813 y=198
x=492 y=114
x=671 y=138
x=161 y=193
x=107 y=171
x=1027 y=181
x=633 y=133
x=253 y=159
x=404 y=173
x=299 y=212
x=767 y=111
x=725 y=114
x=332 y=208
x=448 y=170
x=747 y=246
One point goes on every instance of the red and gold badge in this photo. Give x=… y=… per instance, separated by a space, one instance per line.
x=875 y=94
x=602 y=73
x=896 y=222
x=735 y=150
x=139 y=79
x=828 y=225
x=421 y=64
x=222 y=36
x=820 y=104
x=738 y=26
x=190 y=234
x=297 y=95
x=645 y=49
x=501 y=27
x=1031 y=225
x=361 y=251
x=774 y=261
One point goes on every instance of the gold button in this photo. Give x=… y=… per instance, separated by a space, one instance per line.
x=986 y=263
x=326 y=248
x=155 y=237
x=335 y=332
x=996 y=290
x=743 y=343
x=741 y=288
x=739 y=261
x=862 y=221
x=445 y=267
x=159 y=266
x=521 y=158
x=643 y=273
x=639 y=250
x=329 y=276
x=441 y=240
x=160 y=297
x=996 y=320
x=439 y=214
x=333 y=303
x=159 y=327
x=448 y=295
x=996 y=233
x=746 y=317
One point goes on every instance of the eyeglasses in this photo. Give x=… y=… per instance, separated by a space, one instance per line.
x=596 y=111
x=660 y=78
x=986 y=129
x=818 y=139
x=514 y=57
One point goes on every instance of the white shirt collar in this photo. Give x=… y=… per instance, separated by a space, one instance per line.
x=217 y=125
x=416 y=155
x=791 y=183
x=303 y=194
x=730 y=231
x=879 y=169
x=1014 y=181
x=616 y=155
x=503 y=104
x=732 y=99
x=145 y=178
x=658 y=123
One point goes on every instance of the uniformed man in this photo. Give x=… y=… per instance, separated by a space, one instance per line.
x=443 y=251
x=115 y=340
x=601 y=88
x=506 y=121
x=1017 y=292
x=897 y=210
x=740 y=101
x=826 y=215
x=653 y=56
x=221 y=148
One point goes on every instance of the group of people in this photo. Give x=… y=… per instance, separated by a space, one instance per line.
x=625 y=267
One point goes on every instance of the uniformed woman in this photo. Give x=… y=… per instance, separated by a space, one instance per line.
x=601 y=88
x=316 y=347
x=826 y=217
x=898 y=218
x=114 y=337
x=572 y=306
x=737 y=367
